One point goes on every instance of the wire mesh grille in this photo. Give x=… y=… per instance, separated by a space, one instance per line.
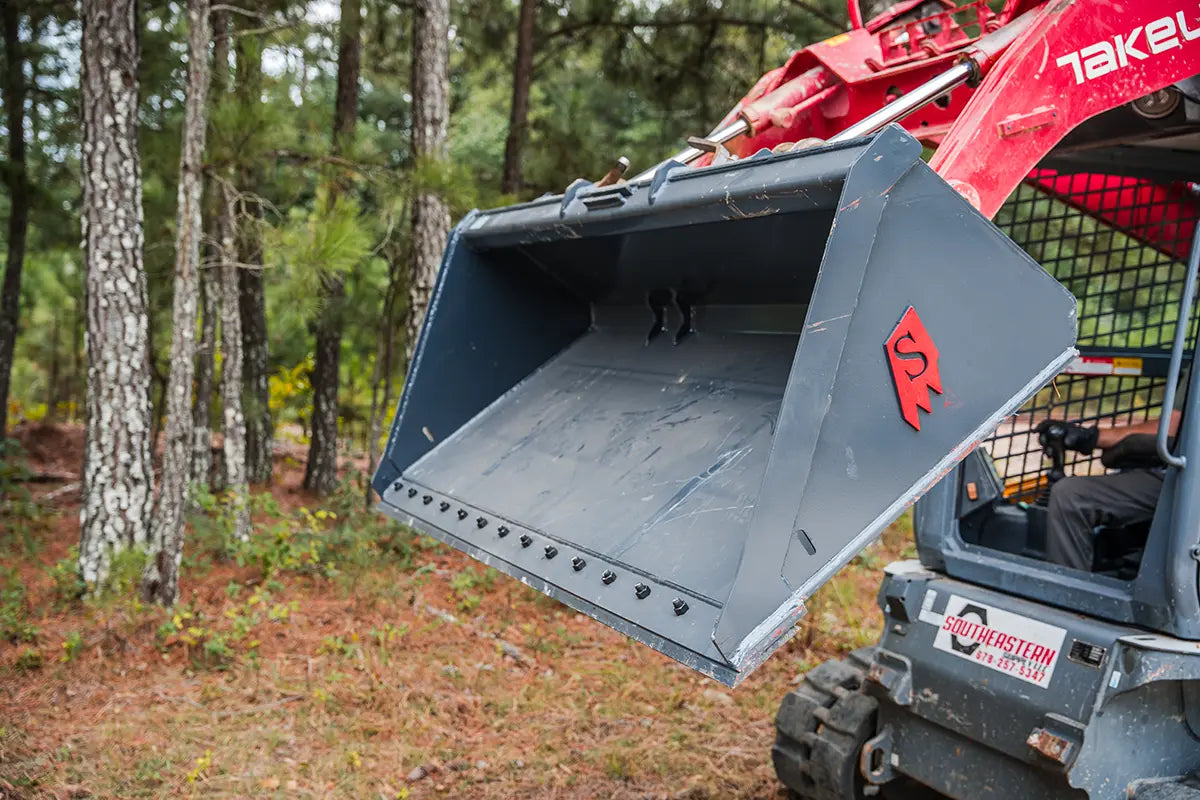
x=1126 y=271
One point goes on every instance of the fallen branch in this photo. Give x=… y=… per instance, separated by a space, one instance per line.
x=50 y=497
x=44 y=477
x=291 y=698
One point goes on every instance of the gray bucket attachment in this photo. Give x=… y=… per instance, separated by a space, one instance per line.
x=680 y=407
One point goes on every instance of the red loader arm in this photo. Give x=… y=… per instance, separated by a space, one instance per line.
x=1072 y=60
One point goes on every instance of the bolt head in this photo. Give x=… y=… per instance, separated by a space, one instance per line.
x=551 y=551
x=642 y=591
x=525 y=540
x=480 y=522
x=502 y=531
x=427 y=499
x=680 y=606
x=609 y=576
x=578 y=563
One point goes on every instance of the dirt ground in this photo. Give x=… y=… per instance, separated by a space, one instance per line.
x=403 y=671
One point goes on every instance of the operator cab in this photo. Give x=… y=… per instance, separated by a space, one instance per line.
x=1115 y=225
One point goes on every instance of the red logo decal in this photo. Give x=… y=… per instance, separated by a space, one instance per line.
x=914 y=360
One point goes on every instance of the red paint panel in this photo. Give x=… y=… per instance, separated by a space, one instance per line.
x=1162 y=216
x=1082 y=59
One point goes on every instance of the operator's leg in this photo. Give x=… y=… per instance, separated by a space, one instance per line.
x=1079 y=505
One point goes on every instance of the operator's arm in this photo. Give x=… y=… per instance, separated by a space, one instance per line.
x=1110 y=436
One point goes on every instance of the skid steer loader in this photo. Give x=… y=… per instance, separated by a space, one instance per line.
x=680 y=403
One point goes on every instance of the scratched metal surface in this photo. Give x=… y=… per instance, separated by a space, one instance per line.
x=645 y=454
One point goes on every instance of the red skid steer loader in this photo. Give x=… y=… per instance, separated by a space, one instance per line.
x=680 y=403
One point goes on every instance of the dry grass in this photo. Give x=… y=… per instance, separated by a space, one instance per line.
x=409 y=674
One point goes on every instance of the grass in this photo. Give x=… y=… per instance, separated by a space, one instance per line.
x=337 y=655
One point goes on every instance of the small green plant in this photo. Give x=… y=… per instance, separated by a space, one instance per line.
x=120 y=585
x=386 y=636
x=68 y=585
x=336 y=645
x=199 y=771
x=29 y=660
x=71 y=646
x=14 y=622
x=467 y=580
x=206 y=648
x=149 y=771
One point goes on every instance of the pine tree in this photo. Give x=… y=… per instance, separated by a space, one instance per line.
x=252 y=300
x=161 y=579
x=320 y=474
x=431 y=115
x=16 y=179
x=210 y=275
x=518 y=120
x=233 y=421
x=117 y=476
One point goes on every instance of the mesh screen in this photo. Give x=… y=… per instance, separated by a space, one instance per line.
x=1126 y=271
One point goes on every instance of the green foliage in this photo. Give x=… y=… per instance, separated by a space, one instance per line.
x=347 y=647
x=71 y=646
x=125 y=569
x=465 y=583
x=19 y=511
x=29 y=660
x=68 y=584
x=207 y=647
x=15 y=626
x=328 y=239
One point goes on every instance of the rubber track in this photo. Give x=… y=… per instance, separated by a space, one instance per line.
x=820 y=729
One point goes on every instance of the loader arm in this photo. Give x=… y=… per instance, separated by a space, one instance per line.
x=1064 y=68
x=1075 y=61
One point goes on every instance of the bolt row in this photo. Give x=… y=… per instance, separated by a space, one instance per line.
x=640 y=590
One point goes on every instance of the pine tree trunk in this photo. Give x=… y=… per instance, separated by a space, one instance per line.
x=233 y=421
x=320 y=473
x=117 y=476
x=210 y=278
x=160 y=583
x=256 y=388
x=381 y=379
x=514 y=144
x=18 y=193
x=431 y=112
x=256 y=393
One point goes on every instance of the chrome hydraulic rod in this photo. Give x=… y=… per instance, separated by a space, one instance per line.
x=906 y=104
x=690 y=154
x=897 y=109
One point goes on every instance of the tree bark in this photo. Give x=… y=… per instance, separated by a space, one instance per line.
x=320 y=473
x=210 y=278
x=233 y=421
x=431 y=112
x=160 y=582
x=381 y=379
x=16 y=178
x=514 y=143
x=256 y=393
x=117 y=476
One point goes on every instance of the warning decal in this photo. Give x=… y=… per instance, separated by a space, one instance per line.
x=1000 y=640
